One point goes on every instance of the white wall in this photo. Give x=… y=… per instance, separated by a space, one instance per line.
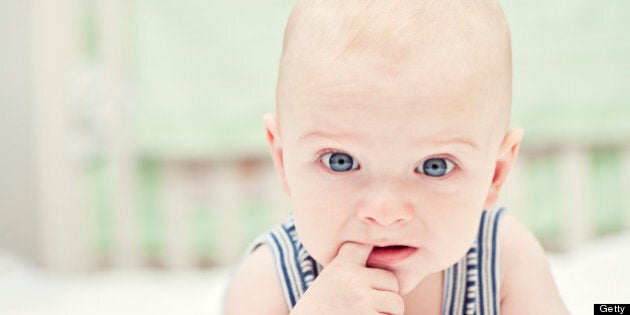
x=18 y=191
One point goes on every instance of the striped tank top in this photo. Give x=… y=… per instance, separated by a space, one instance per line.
x=470 y=285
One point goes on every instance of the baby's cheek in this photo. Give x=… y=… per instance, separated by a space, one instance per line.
x=455 y=241
x=316 y=242
x=319 y=221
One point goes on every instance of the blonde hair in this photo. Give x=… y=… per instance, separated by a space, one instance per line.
x=359 y=24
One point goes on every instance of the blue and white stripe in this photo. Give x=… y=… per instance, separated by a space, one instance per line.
x=470 y=285
x=295 y=267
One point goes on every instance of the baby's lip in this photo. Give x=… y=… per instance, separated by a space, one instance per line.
x=390 y=244
x=390 y=254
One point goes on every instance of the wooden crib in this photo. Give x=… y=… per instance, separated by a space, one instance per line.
x=195 y=213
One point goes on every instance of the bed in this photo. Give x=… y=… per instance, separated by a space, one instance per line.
x=597 y=272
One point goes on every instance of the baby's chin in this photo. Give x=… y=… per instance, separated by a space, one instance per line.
x=408 y=280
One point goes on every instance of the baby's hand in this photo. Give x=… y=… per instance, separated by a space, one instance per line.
x=347 y=286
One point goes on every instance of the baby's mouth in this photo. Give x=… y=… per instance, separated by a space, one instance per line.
x=389 y=255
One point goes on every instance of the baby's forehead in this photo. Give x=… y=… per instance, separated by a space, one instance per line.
x=376 y=123
x=366 y=78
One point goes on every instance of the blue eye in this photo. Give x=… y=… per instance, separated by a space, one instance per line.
x=339 y=162
x=437 y=167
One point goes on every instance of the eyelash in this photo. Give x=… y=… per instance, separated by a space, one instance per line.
x=445 y=157
x=322 y=153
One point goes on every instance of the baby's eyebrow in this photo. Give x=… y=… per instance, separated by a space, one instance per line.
x=322 y=134
x=437 y=142
x=459 y=140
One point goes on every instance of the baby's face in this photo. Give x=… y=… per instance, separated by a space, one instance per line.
x=389 y=153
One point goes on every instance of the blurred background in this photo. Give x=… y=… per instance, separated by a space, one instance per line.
x=134 y=169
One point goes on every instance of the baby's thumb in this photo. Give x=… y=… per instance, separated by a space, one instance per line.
x=354 y=253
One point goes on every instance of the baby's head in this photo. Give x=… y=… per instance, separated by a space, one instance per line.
x=392 y=125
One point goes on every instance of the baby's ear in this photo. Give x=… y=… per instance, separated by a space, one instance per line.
x=507 y=156
x=275 y=147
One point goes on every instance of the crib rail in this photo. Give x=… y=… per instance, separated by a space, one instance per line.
x=203 y=213
x=568 y=194
x=109 y=205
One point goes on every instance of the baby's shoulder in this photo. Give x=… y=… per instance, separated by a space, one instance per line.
x=527 y=286
x=255 y=288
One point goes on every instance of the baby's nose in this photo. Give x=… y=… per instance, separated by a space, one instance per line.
x=385 y=208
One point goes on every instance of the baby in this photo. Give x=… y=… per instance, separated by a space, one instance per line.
x=391 y=138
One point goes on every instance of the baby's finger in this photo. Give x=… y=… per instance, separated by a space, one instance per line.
x=387 y=302
x=382 y=280
x=356 y=253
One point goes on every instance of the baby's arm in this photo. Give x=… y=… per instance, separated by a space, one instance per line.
x=527 y=286
x=346 y=287
x=255 y=288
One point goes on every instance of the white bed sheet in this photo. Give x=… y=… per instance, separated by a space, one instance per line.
x=599 y=272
